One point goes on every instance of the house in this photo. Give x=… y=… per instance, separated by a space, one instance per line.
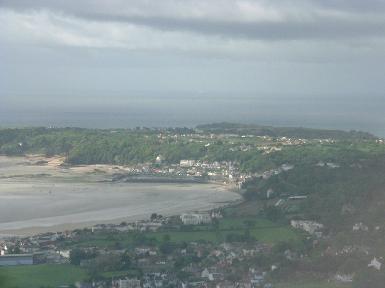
x=225 y=284
x=297 y=197
x=332 y=165
x=159 y=159
x=141 y=251
x=206 y=274
x=3 y=249
x=16 y=259
x=360 y=227
x=269 y=193
x=375 y=264
x=216 y=214
x=309 y=226
x=64 y=253
x=126 y=283
x=287 y=167
x=195 y=219
x=186 y=163
x=344 y=278
x=257 y=279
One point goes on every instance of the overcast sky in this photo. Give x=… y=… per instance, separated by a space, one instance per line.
x=69 y=51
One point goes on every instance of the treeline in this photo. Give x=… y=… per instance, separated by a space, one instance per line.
x=95 y=146
x=335 y=196
x=290 y=132
x=343 y=153
x=88 y=146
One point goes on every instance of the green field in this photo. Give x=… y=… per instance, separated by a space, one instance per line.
x=261 y=229
x=36 y=276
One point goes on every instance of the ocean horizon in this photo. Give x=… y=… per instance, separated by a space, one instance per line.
x=190 y=110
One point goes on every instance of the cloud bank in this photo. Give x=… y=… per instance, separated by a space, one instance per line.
x=229 y=27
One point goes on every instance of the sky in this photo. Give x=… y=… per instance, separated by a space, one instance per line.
x=114 y=52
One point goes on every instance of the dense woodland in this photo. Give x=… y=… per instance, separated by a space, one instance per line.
x=295 y=132
x=87 y=146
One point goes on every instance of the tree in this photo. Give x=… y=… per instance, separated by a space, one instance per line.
x=166 y=238
x=273 y=213
x=167 y=247
x=77 y=255
x=103 y=263
x=126 y=260
x=153 y=216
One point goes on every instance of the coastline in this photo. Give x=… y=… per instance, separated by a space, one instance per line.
x=126 y=202
x=36 y=230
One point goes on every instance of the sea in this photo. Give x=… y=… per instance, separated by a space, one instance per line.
x=344 y=112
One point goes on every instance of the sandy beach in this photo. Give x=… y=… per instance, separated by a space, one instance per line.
x=37 y=195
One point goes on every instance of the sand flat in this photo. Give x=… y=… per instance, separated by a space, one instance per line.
x=37 y=198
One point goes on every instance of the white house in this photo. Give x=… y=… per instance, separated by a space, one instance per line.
x=3 y=249
x=207 y=274
x=195 y=219
x=159 y=159
x=129 y=283
x=360 y=227
x=375 y=264
x=187 y=163
x=344 y=278
x=309 y=226
x=287 y=167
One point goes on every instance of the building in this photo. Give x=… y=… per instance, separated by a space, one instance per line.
x=3 y=249
x=298 y=197
x=360 y=227
x=186 y=163
x=16 y=259
x=375 y=264
x=287 y=167
x=159 y=159
x=195 y=219
x=126 y=283
x=344 y=278
x=309 y=226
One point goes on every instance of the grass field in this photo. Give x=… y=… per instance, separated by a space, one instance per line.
x=263 y=230
x=36 y=276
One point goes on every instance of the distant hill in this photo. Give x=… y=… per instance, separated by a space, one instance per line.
x=291 y=132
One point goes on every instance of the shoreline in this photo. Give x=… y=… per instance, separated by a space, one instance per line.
x=64 y=227
x=168 y=199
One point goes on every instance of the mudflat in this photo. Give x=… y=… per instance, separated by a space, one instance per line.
x=39 y=195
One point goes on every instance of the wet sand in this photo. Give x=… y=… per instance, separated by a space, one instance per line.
x=41 y=198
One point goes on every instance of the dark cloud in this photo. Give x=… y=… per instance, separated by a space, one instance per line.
x=291 y=30
x=317 y=19
x=359 y=6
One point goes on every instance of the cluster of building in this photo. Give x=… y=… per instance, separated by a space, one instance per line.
x=36 y=249
x=216 y=267
x=208 y=264
x=311 y=227
x=218 y=171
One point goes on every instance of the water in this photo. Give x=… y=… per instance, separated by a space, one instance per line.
x=38 y=198
x=189 y=109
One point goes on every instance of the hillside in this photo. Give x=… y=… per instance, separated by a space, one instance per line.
x=296 y=132
x=332 y=178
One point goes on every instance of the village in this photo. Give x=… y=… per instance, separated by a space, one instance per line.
x=201 y=170
x=148 y=254
x=248 y=243
x=161 y=263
